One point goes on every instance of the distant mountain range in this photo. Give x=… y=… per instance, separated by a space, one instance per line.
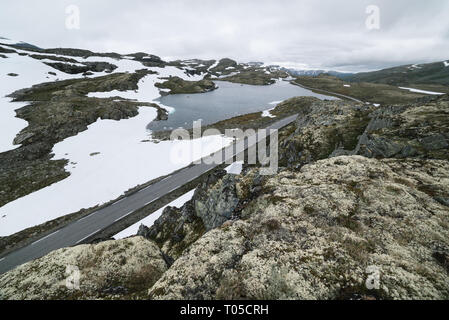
x=431 y=73
x=314 y=73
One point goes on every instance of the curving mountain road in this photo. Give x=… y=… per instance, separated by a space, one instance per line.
x=86 y=228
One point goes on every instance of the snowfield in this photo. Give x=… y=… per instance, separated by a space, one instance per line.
x=421 y=91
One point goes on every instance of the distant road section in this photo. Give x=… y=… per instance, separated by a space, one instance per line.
x=329 y=92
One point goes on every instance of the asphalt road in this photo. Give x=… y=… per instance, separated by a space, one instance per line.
x=325 y=91
x=84 y=228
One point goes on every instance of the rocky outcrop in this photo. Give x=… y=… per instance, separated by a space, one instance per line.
x=328 y=129
x=84 y=68
x=120 y=269
x=321 y=232
x=213 y=203
x=257 y=77
x=223 y=66
x=216 y=199
x=418 y=130
x=53 y=57
x=323 y=128
x=177 y=85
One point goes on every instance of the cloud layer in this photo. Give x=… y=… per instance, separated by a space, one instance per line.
x=314 y=34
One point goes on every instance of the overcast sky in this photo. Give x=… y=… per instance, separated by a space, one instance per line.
x=328 y=34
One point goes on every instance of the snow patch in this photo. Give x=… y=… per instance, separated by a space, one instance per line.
x=415 y=66
x=421 y=91
x=235 y=168
x=149 y=221
x=267 y=113
x=214 y=65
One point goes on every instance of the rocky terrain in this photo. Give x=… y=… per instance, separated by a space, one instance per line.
x=362 y=190
x=58 y=110
x=176 y=85
x=98 y=266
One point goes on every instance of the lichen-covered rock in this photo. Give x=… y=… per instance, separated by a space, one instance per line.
x=334 y=128
x=214 y=202
x=108 y=270
x=175 y=230
x=419 y=130
x=322 y=232
x=323 y=129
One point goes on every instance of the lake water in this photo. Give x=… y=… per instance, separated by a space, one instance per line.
x=228 y=101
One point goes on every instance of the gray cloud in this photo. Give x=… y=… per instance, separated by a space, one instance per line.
x=324 y=34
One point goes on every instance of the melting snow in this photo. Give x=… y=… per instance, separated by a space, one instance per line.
x=421 y=91
x=235 y=168
x=267 y=113
x=214 y=65
x=149 y=221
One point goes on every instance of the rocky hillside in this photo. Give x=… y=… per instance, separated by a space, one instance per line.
x=362 y=190
x=365 y=91
x=429 y=73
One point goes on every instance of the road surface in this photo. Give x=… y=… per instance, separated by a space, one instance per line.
x=85 y=228
x=325 y=91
